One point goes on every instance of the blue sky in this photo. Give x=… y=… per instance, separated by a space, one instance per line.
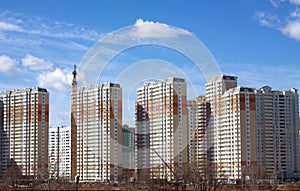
x=257 y=40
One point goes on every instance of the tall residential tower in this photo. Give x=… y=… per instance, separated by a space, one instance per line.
x=24 y=125
x=96 y=131
x=161 y=121
x=278 y=132
x=231 y=133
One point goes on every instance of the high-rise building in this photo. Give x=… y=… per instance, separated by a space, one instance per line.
x=96 y=131
x=24 y=125
x=198 y=114
x=214 y=91
x=237 y=151
x=231 y=133
x=60 y=152
x=278 y=132
x=128 y=150
x=161 y=122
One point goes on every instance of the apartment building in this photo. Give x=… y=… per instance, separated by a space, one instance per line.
x=60 y=152
x=237 y=151
x=161 y=121
x=278 y=132
x=214 y=91
x=24 y=124
x=231 y=133
x=198 y=115
x=96 y=131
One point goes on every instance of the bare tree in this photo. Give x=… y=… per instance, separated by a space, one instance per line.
x=13 y=173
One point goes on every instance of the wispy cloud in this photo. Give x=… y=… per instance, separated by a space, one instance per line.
x=58 y=80
x=9 y=27
x=267 y=19
x=36 y=64
x=297 y=2
x=289 y=25
x=42 y=27
x=21 y=34
x=273 y=3
x=277 y=3
x=8 y=65
x=251 y=76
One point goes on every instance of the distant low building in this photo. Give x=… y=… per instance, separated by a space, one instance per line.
x=128 y=151
x=60 y=152
x=198 y=115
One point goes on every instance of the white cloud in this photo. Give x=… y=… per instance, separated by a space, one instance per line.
x=289 y=25
x=59 y=79
x=292 y=29
x=4 y=26
x=8 y=65
x=36 y=64
x=150 y=29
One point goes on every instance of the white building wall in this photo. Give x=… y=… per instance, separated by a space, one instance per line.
x=277 y=127
x=156 y=104
x=99 y=132
x=198 y=113
x=24 y=131
x=60 y=152
x=216 y=132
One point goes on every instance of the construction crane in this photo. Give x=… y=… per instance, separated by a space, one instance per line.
x=166 y=164
x=169 y=167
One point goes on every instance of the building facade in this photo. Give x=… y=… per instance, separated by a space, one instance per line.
x=278 y=132
x=237 y=151
x=128 y=151
x=60 y=152
x=198 y=115
x=231 y=133
x=191 y=108
x=161 y=122
x=24 y=123
x=214 y=91
x=96 y=126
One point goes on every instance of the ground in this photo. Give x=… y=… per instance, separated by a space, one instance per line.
x=62 y=185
